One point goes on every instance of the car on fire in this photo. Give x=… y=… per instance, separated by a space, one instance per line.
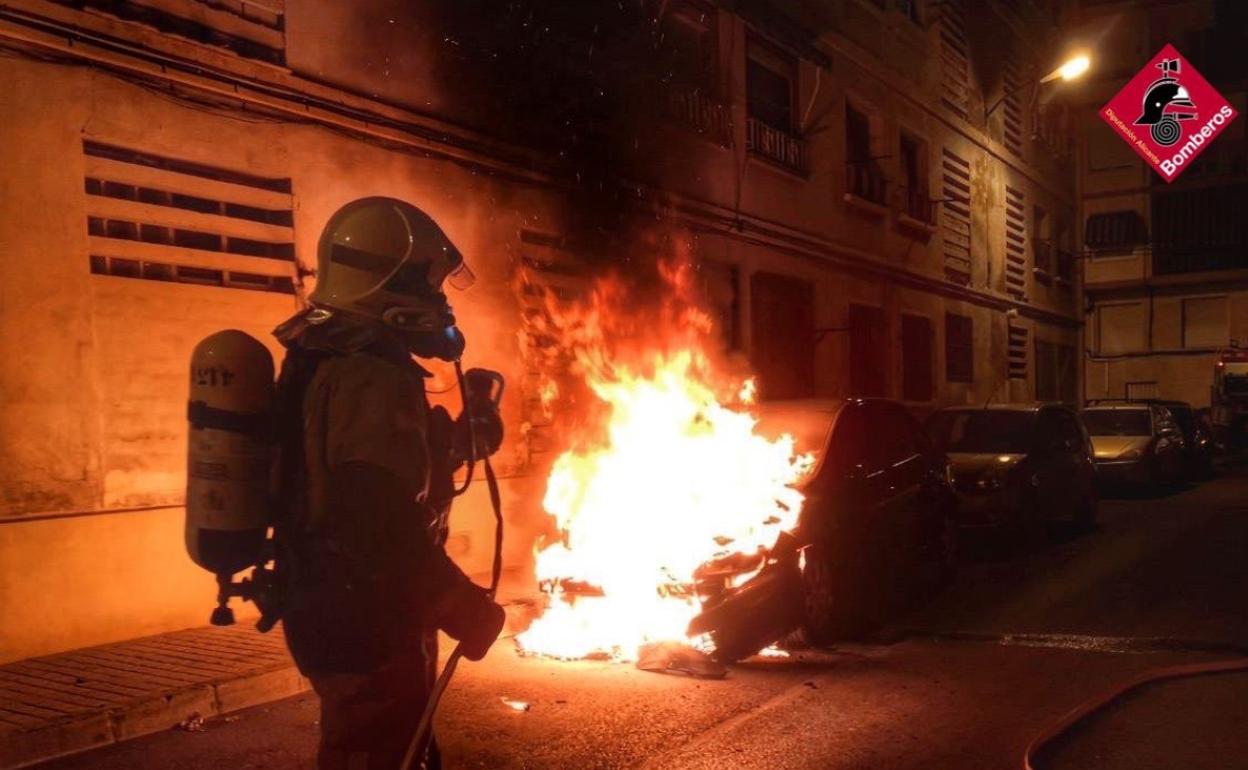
x=1018 y=466
x=877 y=530
x=1136 y=443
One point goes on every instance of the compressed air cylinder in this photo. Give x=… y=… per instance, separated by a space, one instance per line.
x=230 y=452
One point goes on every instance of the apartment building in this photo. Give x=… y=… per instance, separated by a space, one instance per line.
x=1165 y=264
x=881 y=196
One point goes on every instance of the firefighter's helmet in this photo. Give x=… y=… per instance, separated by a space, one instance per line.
x=386 y=260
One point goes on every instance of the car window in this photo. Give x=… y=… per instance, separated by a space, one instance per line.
x=893 y=438
x=850 y=443
x=1118 y=422
x=1049 y=434
x=982 y=431
x=1071 y=430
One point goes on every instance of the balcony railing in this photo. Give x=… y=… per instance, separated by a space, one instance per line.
x=693 y=109
x=776 y=145
x=1042 y=258
x=917 y=204
x=865 y=179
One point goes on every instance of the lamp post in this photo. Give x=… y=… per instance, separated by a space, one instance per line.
x=1072 y=69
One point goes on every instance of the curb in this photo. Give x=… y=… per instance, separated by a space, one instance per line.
x=81 y=700
x=144 y=715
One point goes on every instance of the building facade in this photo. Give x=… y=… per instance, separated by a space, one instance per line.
x=1165 y=264
x=879 y=196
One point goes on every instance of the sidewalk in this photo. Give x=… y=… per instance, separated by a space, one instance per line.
x=83 y=699
x=79 y=700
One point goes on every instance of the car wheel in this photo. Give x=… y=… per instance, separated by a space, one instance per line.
x=830 y=614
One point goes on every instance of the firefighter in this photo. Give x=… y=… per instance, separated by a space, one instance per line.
x=366 y=482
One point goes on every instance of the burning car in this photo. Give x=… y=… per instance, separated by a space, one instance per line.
x=877 y=532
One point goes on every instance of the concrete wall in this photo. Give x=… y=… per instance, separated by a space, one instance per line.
x=94 y=366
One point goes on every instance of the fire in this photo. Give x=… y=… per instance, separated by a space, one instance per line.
x=673 y=478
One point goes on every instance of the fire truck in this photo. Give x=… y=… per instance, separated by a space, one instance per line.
x=1229 y=398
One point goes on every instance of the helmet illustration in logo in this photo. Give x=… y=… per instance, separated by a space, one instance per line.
x=1163 y=103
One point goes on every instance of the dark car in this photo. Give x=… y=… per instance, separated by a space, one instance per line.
x=877 y=526
x=1197 y=442
x=1018 y=466
x=1135 y=443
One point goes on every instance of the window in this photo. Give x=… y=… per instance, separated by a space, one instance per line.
x=253 y=30
x=959 y=348
x=893 y=436
x=689 y=47
x=1121 y=327
x=690 y=93
x=769 y=85
x=865 y=178
x=916 y=202
x=157 y=218
x=1115 y=231
x=955 y=67
x=857 y=135
x=1205 y=322
x=1041 y=244
x=916 y=358
x=1016 y=352
x=770 y=82
x=909 y=9
x=955 y=216
x=1015 y=243
x=868 y=351
x=782 y=326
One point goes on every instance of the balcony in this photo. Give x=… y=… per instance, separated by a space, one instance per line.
x=775 y=145
x=865 y=180
x=1042 y=259
x=691 y=108
x=916 y=204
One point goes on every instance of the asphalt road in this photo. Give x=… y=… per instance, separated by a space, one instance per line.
x=1017 y=642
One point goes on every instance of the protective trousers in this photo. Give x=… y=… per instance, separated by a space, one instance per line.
x=367 y=720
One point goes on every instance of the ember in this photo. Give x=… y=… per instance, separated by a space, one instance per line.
x=675 y=481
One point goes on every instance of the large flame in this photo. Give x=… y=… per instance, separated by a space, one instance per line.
x=672 y=480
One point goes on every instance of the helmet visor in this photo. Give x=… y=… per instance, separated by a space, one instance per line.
x=461 y=277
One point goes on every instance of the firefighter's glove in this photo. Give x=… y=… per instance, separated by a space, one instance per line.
x=485 y=432
x=471 y=617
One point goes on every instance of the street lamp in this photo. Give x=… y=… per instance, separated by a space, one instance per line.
x=1072 y=69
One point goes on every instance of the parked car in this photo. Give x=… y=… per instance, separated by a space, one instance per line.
x=1018 y=466
x=877 y=526
x=1136 y=443
x=1197 y=439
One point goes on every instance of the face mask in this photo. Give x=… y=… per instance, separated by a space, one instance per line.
x=445 y=345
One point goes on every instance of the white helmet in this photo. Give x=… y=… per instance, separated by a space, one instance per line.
x=386 y=260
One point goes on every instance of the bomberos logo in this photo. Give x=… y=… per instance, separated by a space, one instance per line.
x=1179 y=113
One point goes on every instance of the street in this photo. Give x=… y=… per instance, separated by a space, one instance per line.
x=967 y=682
